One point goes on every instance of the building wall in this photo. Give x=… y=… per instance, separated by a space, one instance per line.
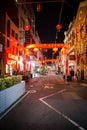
x=69 y=40
x=81 y=38
x=11 y=45
x=76 y=36
x=12 y=24
x=2 y=41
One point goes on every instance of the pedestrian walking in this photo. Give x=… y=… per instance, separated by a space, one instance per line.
x=71 y=73
x=77 y=74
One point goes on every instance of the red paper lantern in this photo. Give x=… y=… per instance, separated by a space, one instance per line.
x=58 y=26
x=55 y=49
x=27 y=28
x=35 y=49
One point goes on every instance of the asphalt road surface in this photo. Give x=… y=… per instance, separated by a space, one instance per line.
x=48 y=104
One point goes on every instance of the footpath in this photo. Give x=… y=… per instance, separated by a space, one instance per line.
x=84 y=82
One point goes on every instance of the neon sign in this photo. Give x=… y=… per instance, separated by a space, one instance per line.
x=10 y=62
x=12 y=56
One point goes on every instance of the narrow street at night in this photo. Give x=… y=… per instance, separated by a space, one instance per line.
x=49 y=104
x=43 y=65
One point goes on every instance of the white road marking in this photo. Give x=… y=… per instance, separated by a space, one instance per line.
x=53 y=94
x=32 y=91
x=58 y=112
x=31 y=85
x=49 y=86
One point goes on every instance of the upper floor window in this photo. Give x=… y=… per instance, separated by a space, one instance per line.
x=16 y=36
x=13 y=33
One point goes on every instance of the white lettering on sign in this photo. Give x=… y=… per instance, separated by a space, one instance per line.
x=10 y=62
x=12 y=56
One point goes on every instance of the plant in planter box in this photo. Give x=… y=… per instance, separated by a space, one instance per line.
x=16 y=79
x=9 y=81
x=2 y=84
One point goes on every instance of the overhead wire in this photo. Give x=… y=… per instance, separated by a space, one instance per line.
x=59 y=20
x=70 y=5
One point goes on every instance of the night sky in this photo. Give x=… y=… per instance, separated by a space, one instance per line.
x=49 y=17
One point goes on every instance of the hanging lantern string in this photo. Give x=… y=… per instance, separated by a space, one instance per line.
x=59 y=20
x=60 y=13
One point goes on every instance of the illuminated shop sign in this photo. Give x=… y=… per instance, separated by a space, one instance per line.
x=61 y=45
x=12 y=56
x=10 y=62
